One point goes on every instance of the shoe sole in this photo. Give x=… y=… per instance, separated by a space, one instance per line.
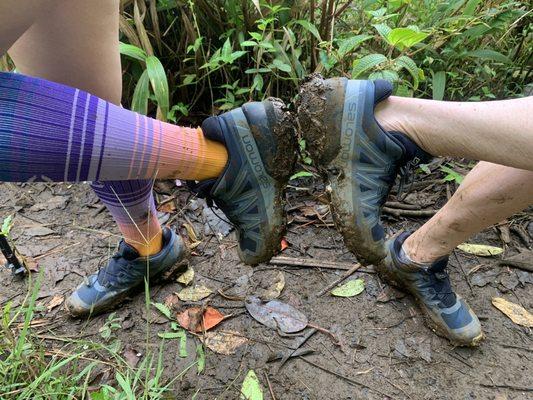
x=271 y=123
x=179 y=267
x=429 y=320
x=321 y=106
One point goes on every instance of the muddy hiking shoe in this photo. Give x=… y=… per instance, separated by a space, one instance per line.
x=357 y=158
x=124 y=274
x=445 y=311
x=259 y=137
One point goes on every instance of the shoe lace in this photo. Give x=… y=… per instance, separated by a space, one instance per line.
x=204 y=192
x=439 y=281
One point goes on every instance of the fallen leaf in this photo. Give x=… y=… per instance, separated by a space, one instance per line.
x=168 y=207
x=523 y=260
x=53 y=203
x=172 y=301
x=349 y=289
x=273 y=291
x=30 y=263
x=276 y=314
x=191 y=233
x=56 y=301
x=38 y=231
x=518 y=314
x=187 y=277
x=480 y=249
x=284 y=244
x=191 y=318
x=131 y=356
x=251 y=387
x=224 y=342
x=194 y=293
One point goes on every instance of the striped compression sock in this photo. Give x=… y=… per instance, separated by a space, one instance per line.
x=52 y=132
x=131 y=203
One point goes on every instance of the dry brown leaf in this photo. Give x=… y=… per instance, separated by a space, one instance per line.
x=284 y=244
x=56 y=301
x=171 y=301
x=191 y=318
x=131 y=356
x=224 y=342
x=518 y=314
x=168 y=207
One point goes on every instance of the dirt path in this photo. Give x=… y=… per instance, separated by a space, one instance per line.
x=385 y=350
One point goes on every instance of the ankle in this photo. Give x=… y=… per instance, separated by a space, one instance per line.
x=386 y=115
x=420 y=253
x=148 y=247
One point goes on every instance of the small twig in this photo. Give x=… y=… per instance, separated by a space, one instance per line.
x=347 y=379
x=511 y=387
x=270 y=387
x=324 y=330
x=409 y=213
x=464 y=273
x=348 y=273
x=315 y=263
x=402 y=206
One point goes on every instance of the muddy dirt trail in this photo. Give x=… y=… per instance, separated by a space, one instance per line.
x=370 y=346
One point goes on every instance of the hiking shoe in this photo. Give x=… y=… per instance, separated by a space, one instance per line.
x=259 y=137
x=124 y=273
x=447 y=313
x=357 y=158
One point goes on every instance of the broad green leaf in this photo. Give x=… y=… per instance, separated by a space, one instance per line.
x=407 y=63
x=132 y=51
x=451 y=174
x=248 y=43
x=405 y=37
x=487 y=54
x=189 y=79
x=159 y=82
x=439 y=84
x=251 y=388
x=301 y=174
x=349 y=289
x=281 y=65
x=139 y=101
x=349 y=44
x=309 y=27
x=383 y=30
x=163 y=309
x=480 y=249
x=367 y=62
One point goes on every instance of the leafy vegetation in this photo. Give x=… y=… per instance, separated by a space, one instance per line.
x=218 y=54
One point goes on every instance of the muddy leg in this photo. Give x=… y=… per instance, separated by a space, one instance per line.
x=489 y=193
x=496 y=131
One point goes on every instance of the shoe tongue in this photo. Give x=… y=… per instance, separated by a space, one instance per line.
x=212 y=130
x=127 y=252
x=382 y=90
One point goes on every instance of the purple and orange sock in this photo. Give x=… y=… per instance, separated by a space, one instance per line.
x=52 y=132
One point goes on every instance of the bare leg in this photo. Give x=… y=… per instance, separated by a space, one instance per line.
x=75 y=42
x=488 y=194
x=496 y=131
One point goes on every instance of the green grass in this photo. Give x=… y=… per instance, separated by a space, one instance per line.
x=37 y=366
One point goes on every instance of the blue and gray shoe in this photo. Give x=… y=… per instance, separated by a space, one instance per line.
x=260 y=140
x=358 y=159
x=124 y=274
x=446 y=312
